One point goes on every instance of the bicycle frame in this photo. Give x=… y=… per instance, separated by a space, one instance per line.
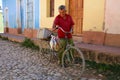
x=70 y=56
x=67 y=47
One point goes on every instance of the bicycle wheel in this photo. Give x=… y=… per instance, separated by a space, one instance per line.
x=73 y=62
x=54 y=57
x=45 y=56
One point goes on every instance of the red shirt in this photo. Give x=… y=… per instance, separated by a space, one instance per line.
x=65 y=24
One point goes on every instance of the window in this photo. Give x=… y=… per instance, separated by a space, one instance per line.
x=29 y=13
x=50 y=8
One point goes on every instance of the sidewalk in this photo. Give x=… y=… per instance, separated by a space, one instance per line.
x=13 y=37
x=98 y=53
x=100 y=48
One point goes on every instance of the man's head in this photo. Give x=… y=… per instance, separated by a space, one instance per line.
x=62 y=10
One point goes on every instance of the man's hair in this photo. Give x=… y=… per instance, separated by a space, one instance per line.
x=62 y=7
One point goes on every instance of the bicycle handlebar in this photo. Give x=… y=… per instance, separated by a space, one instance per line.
x=63 y=30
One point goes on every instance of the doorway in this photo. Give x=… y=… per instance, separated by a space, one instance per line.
x=76 y=11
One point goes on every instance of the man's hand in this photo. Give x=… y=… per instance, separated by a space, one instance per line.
x=54 y=27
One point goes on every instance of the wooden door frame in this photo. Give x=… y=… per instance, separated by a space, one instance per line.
x=67 y=3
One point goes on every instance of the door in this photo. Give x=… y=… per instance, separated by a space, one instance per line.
x=18 y=14
x=18 y=11
x=22 y=14
x=76 y=11
x=6 y=23
x=51 y=8
x=30 y=14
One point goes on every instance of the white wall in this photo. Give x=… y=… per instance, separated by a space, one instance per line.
x=112 y=16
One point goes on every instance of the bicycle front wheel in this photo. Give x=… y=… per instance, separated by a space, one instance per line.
x=73 y=62
x=45 y=56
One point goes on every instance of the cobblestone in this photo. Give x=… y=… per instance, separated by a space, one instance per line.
x=19 y=63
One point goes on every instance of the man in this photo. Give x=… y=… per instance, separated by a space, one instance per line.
x=65 y=22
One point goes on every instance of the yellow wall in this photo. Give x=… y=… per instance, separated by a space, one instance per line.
x=93 y=19
x=1 y=22
x=47 y=22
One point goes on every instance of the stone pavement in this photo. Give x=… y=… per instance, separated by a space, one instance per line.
x=19 y=63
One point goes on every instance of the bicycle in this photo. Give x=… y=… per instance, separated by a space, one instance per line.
x=47 y=55
x=72 y=57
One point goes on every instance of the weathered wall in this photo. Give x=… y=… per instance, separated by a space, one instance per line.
x=11 y=5
x=93 y=21
x=112 y=16
x=48 y=21
x=112 y=23
x=93 y=15
x=1 y=22
x=17 y=12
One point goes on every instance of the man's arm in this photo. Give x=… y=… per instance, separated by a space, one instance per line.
x=55 y=24
x=54 y=27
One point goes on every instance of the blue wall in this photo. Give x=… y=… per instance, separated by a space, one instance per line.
x=22 y=14
x=11 y=4
x=36 y=3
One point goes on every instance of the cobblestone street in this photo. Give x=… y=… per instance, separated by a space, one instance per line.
x=19 y=63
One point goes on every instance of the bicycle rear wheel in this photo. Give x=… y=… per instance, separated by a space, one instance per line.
x=73 y=62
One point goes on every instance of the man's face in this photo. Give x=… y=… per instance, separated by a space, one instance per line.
x=62 y=12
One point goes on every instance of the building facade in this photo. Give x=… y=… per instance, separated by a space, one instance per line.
x=87 y=15
x=96 y=21
x=21 y=17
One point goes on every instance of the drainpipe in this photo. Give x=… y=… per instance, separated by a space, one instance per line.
x=104 y=30
x=105 y=33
